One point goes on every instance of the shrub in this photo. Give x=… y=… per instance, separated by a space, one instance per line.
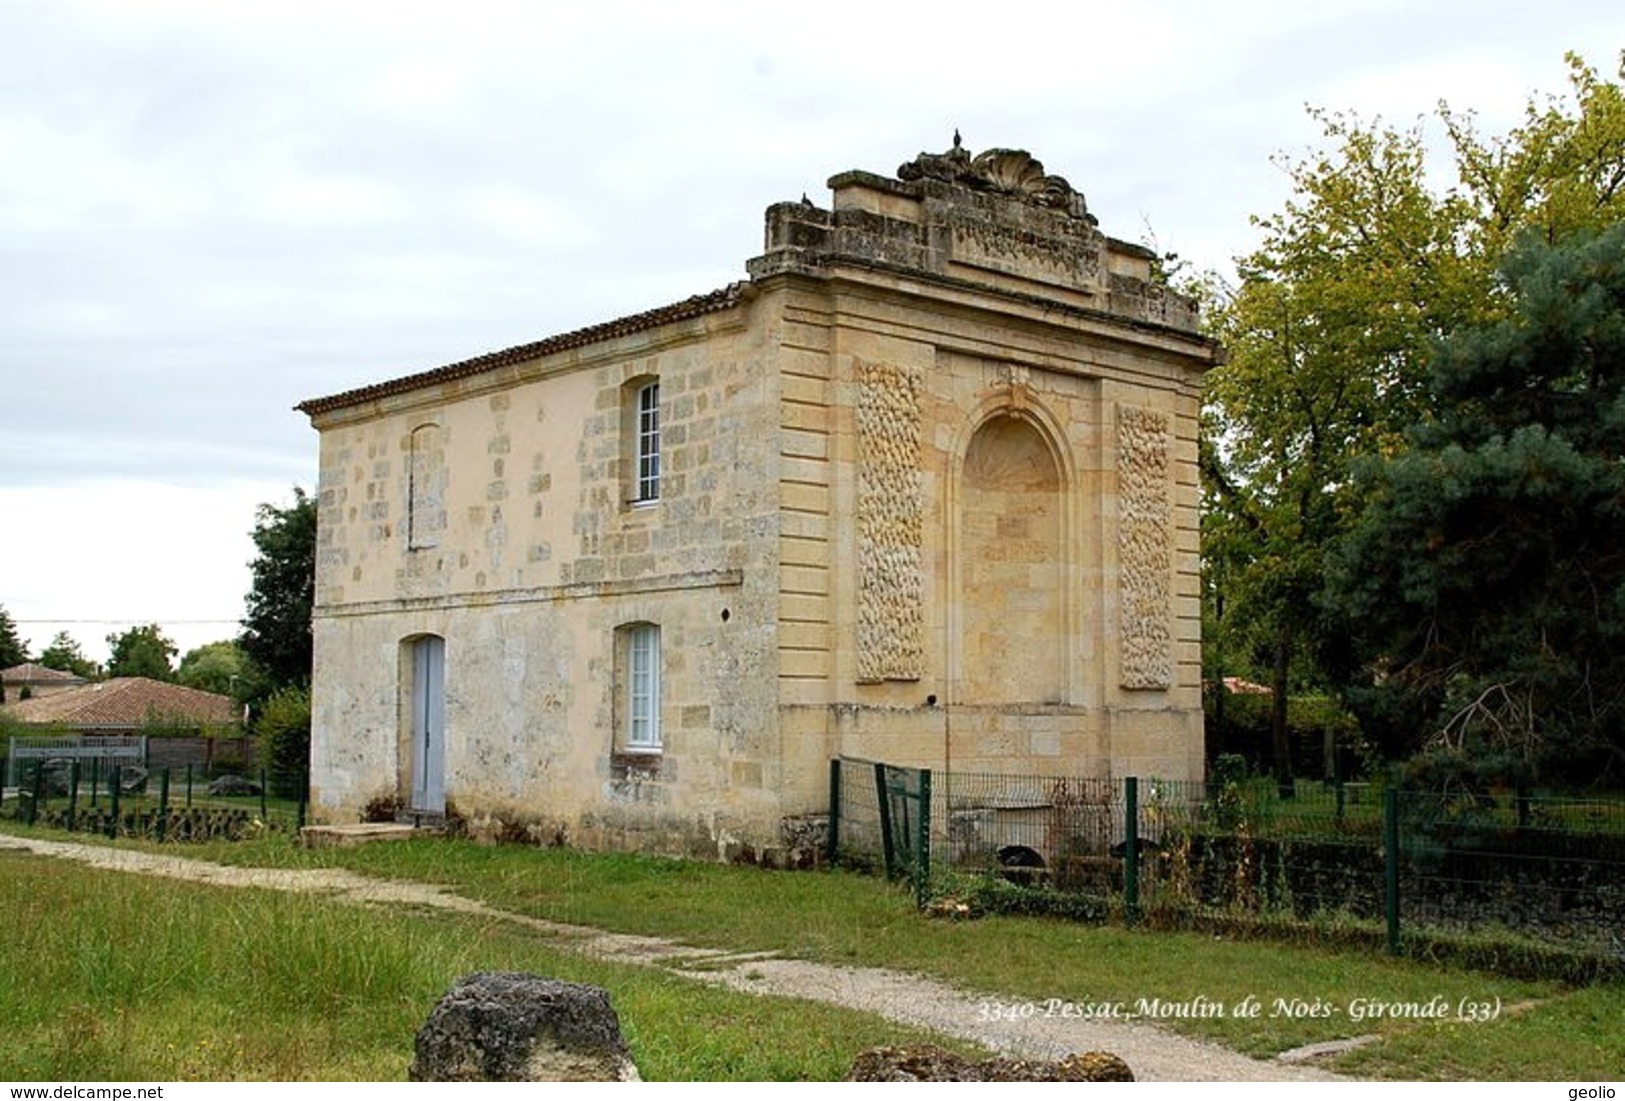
x=284 y=741
x=1310 y=721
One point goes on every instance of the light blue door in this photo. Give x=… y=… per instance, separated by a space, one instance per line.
x=429 y=724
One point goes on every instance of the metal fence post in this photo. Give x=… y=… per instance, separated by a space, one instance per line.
x=1337 y=780
x=114 y=774
x=1390 y=861
x=73 y=793
x=39 y=785
x=1131 y=849
x=163 y=804
x=922 y=846
x=833 y=840
x=189 y=786
x=885 y=821
x=95 y=779
x=264 y=814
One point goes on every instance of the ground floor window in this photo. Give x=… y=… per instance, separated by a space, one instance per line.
x=642 y=686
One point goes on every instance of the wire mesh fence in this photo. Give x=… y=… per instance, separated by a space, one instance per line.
x=118 y=799
x=1547 y=869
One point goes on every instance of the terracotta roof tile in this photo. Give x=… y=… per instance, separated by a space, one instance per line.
x=32 y=672
x=124 y=702
x=697 y=306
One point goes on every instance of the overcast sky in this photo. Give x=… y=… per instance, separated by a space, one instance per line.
x=212 y=210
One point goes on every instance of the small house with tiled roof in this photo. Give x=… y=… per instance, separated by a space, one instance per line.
x=127 y=705
x=922 y=488
x=32 y=680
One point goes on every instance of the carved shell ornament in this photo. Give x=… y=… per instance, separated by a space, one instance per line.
x=1005 y=171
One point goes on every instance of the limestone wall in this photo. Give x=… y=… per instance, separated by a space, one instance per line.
x=927 y=494
x=991 y=531
x=531 y=559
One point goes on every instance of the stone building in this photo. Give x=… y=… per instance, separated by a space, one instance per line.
x=922 y=489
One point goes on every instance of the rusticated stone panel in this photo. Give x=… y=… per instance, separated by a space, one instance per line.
x=890 y=523
x=1145 y=548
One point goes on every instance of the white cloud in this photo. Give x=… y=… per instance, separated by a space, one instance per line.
x=211 y=211
x=96 y=558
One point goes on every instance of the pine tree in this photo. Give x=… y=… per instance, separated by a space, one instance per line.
x=1484 y=581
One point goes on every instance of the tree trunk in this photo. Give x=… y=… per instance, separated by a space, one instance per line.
x=1278 y=729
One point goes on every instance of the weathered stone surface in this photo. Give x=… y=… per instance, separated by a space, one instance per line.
x=933 y=1064
x=233 y=785
x=54 y=776
x=898 y=517
x=509 y=1026
x=1144 y=535
x=349 y=836
x=890 y=509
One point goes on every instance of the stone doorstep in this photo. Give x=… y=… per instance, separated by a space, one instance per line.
x=348 y=836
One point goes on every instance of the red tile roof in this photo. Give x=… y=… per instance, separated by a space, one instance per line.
x=33 y=673
x=697 y=306
x=124 y=703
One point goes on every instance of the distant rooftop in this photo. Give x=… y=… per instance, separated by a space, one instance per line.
x=32 y=674
x=124 y=703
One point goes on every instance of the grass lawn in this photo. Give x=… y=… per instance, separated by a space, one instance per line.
x=124 y=977
x=1555 y=1033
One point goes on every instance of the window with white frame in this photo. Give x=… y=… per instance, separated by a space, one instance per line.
x=647 y=436
x=643 y=687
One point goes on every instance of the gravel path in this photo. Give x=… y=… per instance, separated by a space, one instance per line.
x=1153 y=1053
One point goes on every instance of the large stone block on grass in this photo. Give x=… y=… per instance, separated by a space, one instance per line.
x=509 y=1026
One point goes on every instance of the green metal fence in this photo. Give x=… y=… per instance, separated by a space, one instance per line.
x=1543 y=868
x=881 y=817
x=116 y=799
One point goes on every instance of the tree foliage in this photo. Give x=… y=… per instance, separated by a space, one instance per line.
x=64 y=655
x=276 y=630
x=141 y=652
x=283 y=730
x=1484 y=580
x=1331 y=329
x=13 y=650
x=220 y=667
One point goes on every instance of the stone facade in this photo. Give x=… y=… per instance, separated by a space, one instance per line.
x=925 y=491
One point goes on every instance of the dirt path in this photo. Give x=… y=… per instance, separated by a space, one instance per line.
x=1152 y=1052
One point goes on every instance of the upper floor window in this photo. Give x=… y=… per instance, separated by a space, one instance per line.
x=648 y=443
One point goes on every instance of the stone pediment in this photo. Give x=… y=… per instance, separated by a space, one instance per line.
x=1013 y=172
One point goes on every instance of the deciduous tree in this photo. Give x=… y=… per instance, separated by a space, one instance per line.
x=141 y=652
x=276 y=630
x=1331 y=328
x=220 y=667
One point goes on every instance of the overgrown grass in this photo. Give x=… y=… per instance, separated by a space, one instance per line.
x=116 y=976
x=845 y=918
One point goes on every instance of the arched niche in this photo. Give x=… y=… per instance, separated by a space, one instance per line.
x=1011 y=575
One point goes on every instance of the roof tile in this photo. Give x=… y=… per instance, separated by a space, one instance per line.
x=697 y=306
x=127 y=702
